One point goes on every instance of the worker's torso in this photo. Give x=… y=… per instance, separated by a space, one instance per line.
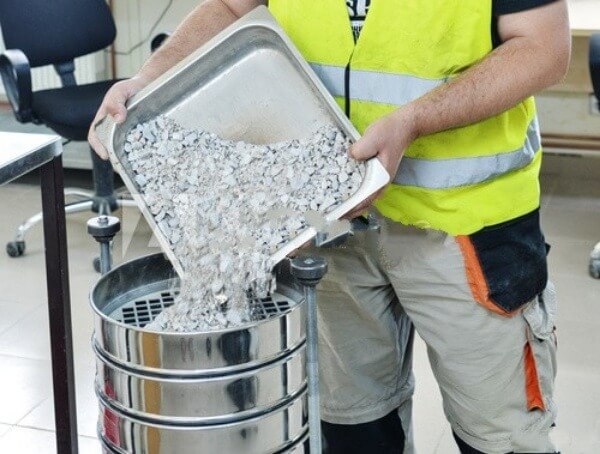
x=458 y=181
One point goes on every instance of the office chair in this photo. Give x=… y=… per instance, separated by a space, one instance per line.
x=42 y=32
x=595 y=72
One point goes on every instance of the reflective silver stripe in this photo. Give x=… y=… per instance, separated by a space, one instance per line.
x=332 y=77
x=387 y=88
x=399 y=89
x=452 y=173
x=373 y=86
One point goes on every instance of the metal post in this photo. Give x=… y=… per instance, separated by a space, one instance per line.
x=59 y=306
x=312 y=367
x=104 y=229
x=309 y=271
x=105 y=259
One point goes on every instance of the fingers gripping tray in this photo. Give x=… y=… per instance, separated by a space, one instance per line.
x=248 y=83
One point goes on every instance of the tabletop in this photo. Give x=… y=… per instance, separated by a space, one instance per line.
x=21 y=153
x=585 y=17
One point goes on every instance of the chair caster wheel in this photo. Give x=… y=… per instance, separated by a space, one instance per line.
x=15 y=248
x=96 y=263
x=595 y=268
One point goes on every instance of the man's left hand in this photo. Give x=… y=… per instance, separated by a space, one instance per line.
x=385 y=139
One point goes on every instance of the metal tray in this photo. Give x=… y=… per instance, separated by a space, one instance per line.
x=248 y=83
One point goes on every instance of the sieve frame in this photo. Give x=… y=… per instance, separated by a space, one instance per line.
x=199 y=353
x=280 y=431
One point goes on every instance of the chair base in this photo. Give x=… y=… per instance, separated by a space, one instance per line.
x=102 y=200
x=595 y=262
x=88 y=202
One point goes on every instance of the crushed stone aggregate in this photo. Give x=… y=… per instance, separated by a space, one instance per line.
x=225 y=207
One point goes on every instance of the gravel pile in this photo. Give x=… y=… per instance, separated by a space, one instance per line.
x=226 y=207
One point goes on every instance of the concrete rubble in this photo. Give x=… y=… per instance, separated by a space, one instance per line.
x=225 y=207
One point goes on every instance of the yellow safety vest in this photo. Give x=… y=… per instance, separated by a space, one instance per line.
x=460 y=180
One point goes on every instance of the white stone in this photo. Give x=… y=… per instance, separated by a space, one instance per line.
x=213 y=199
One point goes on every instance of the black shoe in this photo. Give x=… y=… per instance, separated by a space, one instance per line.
x=383 y=436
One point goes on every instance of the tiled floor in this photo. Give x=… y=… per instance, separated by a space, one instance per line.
x=571 y=216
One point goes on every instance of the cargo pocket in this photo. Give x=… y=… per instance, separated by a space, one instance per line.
x=506 y=264
x=540 y=350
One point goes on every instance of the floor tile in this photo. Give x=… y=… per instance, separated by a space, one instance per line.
x=578 y=346
x=88 y=445
x=578 y=424
x=29 y=337
x=24 y=384
x=578 y=298
x=429 y=420
x=12 y=313
x=4 y=428
x=570 y=257
x=27 y=273
x=24 y=440
x=569 y=223
x=42 y=417
x=22 y=280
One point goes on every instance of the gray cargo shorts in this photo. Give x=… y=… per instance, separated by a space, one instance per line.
x=495 y=368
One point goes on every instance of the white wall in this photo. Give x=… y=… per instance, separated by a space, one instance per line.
x=134 y=19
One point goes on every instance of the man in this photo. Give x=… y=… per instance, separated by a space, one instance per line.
x=441 y=90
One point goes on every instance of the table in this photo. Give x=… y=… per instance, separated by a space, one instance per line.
x=20 y=154
x=585 y=17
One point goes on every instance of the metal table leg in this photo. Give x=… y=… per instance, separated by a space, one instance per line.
x=59 y=306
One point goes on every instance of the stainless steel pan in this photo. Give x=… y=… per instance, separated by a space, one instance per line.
x=248 y=83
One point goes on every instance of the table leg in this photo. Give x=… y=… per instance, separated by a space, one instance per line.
x=59 y=306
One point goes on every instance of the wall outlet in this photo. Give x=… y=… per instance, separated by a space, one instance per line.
x=594 y=106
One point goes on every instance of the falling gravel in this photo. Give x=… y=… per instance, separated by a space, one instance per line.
x=226 y=207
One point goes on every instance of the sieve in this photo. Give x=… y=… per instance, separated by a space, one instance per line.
x=241 y=389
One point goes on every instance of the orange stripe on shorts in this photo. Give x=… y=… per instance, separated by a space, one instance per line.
x=476 y=278
x=532 y=382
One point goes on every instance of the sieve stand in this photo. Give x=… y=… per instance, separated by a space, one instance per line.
x=309 y=271
x=103 y=229
x=22 y=153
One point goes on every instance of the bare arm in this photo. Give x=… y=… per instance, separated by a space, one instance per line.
x=534 y=55
x=206 y=21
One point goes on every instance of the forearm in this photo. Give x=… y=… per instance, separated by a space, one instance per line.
x=526 y=63
x=535 y=55
x=206 y=21
x=508 y=75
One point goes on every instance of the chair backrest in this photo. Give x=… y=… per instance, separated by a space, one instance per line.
x=595 y=63
x=56 y=31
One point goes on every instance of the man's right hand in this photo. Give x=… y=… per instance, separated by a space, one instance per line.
x=114 y=105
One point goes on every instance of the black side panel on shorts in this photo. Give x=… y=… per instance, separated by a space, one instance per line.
x=466 y=449
x=383 y=436
x=513 y=260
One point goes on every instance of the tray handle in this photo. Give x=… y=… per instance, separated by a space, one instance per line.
x=103 y=129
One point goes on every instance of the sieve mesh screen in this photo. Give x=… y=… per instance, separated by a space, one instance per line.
x=141 y=311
